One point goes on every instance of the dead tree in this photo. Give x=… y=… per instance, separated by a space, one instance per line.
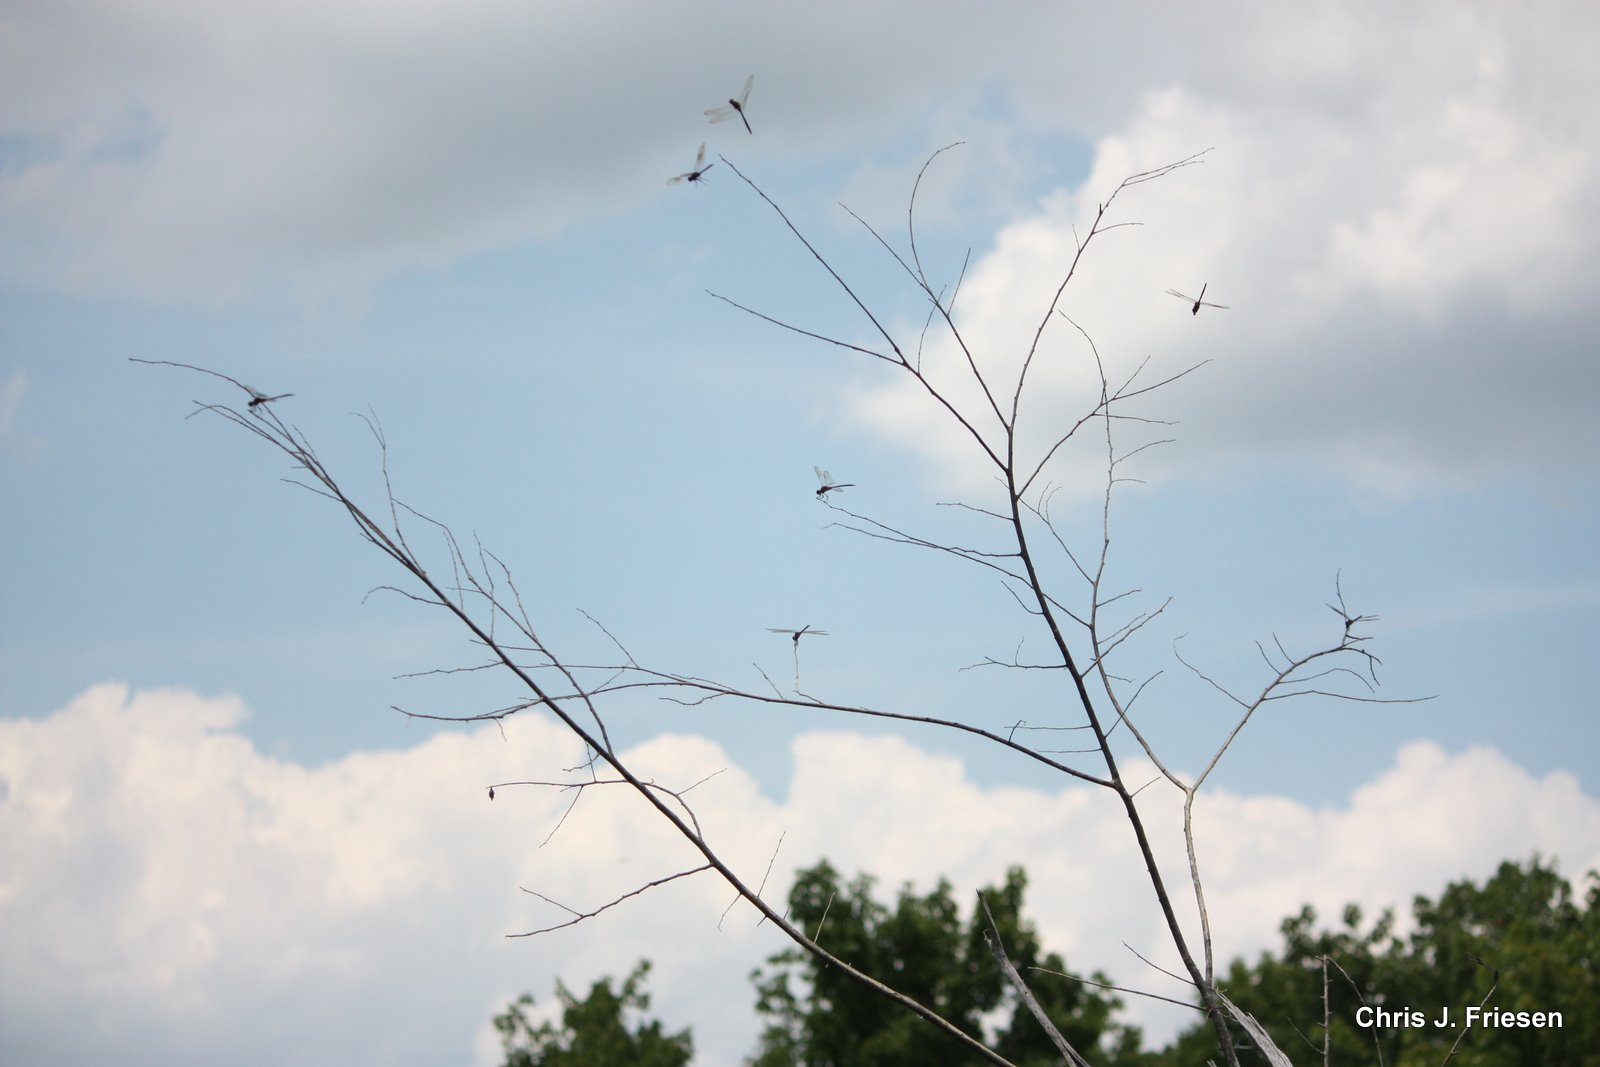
x=1080 y=629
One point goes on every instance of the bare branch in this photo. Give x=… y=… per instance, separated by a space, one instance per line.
x=803 y=332
x=578 y=916
x=998 y=949
x=480 y=592
x=760 y=889
x=882 y=332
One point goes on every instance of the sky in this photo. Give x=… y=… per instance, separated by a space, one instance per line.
x=218 y=836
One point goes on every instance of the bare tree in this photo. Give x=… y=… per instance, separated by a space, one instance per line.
x=1084 y=628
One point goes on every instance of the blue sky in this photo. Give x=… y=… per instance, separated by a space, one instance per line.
x=457 y=218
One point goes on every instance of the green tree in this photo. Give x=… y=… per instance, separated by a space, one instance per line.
x=1523 y=943
x=1520 y=942
x=1286 y=992
x=593 y=1030
x=817 y=1017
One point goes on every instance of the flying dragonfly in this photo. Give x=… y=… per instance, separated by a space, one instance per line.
x=696 y=175
x=734 y=107
x=1198 y=301
x=257 y=397
x=797 y=634
x=828 y=484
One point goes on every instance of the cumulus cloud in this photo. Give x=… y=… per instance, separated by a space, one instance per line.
x=1399 y=208
x=168 y=889
x=1402 y=247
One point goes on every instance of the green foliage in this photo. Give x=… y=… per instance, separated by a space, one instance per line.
x=592 y=1031
x=818 y=1017
x=1519 y=943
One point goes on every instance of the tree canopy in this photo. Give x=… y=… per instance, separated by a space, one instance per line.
x=817 y=1017
x=593 y=1030
x=1521 y=942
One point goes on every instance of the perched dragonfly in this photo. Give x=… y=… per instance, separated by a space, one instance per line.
x=696 y=175
x=828 y=484
x=1198 y=301
x=257 y=397
x=797 y=634
x=734 y=107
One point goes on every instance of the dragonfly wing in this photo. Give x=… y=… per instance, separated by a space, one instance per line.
x=823 y=476
x=1180 y=296
x=679 y=178
x=745 y=93
x=719 y=114
x=1209 y=304
x=700 y=156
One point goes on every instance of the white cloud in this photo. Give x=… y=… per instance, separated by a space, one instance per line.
x=201 y=152
x=1403 y=247
x=164 y=887
x=198 y=153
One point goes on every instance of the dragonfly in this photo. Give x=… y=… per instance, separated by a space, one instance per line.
x=796 y=635
x=828 y=484
x=257 y=397
x=698 y=173
x=1198 y=301
x=734 y=107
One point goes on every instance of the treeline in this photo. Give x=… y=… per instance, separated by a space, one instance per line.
x=1515 y=948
